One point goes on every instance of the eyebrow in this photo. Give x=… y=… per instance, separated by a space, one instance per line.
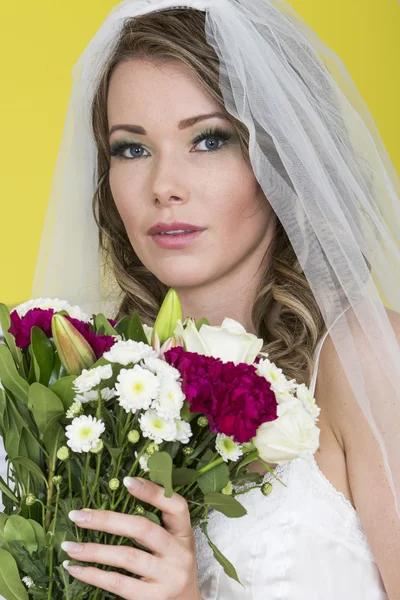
x=181 y=125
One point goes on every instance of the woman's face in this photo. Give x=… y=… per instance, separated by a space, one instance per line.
x=162 y=175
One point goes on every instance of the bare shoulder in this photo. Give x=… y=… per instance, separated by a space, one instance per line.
x=366 y=473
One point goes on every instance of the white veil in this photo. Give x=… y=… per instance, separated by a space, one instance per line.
x=316 y=153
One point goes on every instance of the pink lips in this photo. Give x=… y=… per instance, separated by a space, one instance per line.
x=187 y=234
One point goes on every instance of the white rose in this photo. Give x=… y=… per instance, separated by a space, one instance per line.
x=229 y=342
x=293 y=434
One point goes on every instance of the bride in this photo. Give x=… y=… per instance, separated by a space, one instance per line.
x=229 y=156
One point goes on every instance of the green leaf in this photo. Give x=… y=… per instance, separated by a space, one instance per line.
x=39 y=533
x=18 y=528
x=103 y=326
x=183 y=476
x=228 y=567
x=205 y=459
x=53 y=438
x=215 y=479
x=45 y=405
x=152 y=517
x=31 y=467
x=135 y=330
x=5 y=324
x=200 y=323
x=10 y=377
x=160 y=466
x=4 y=489
x=227 y=505
x=122 y=326
x=63 y=388
x=11 y=586
x=43 y=355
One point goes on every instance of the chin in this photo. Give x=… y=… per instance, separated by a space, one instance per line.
x=189 y=276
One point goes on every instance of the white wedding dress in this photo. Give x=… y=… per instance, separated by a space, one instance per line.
x=302 y=542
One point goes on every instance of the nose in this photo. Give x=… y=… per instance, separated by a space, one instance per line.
x=169 y=182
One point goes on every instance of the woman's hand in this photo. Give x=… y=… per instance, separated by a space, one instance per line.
x=169 y=573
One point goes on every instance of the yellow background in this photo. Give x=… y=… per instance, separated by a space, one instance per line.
x=41 y=40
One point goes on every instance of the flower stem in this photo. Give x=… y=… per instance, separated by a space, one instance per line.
x=51 y=547
x=84 y=486
x=96 y=481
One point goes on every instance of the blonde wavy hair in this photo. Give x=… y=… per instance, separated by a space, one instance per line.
x=290 y=340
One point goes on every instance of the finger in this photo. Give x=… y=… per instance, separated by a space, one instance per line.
x=175 y=509
x=132 y=559
x=149 y=534
x=120 y=585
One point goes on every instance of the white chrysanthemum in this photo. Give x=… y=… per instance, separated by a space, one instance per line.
x=84 y=433
x=282 y=387
x=183 y=431
x=143 y=461
x=76 y=313
x=92 y=377
x=160 y=367
x=308 y=401
x=136 y=388
x=148 y=331
x=128 y=352
x=92 y=395
x=28 y=581
x=228 y=448
x=45 y=303
x=169 y=400
x=156 y=428
x=74 y=410
x=55 y=303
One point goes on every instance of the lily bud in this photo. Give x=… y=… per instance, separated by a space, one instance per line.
x=167 y=319
x=74 y=351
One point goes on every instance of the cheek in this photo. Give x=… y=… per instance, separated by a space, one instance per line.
x=244 y=210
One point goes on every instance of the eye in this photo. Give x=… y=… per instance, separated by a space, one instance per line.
x=118 y=149
x=215 y=135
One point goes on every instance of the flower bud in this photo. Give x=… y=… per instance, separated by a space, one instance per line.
x=30 y=499
x=113 y=484
x=97 y=448
x=133 y=436
x=74 y=351
x=266 y=488
x=74 y=410
x=57 y=479
x=187 y=450
x=202 y=421
x=228 y=489
x=152 y=447
x=63 y=453
x=167 y=319
x=139 y=510
x=28 y=581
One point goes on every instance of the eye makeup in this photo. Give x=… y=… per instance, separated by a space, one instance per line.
x=216 y=133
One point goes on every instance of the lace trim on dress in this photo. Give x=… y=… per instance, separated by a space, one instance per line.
x=357 y=531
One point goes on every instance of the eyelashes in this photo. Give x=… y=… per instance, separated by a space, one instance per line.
x=216 y=133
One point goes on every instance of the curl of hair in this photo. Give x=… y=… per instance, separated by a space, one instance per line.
x=290 y=339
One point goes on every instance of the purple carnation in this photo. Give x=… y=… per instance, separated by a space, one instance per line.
x=38 y=317
x=234 y=398
x=21 y=327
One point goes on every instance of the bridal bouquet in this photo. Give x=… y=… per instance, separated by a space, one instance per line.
x=86 y=401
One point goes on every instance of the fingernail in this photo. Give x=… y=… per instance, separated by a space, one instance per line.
x=80 y=516
x=133 y=483
x=72 y=568
x=72 y=547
